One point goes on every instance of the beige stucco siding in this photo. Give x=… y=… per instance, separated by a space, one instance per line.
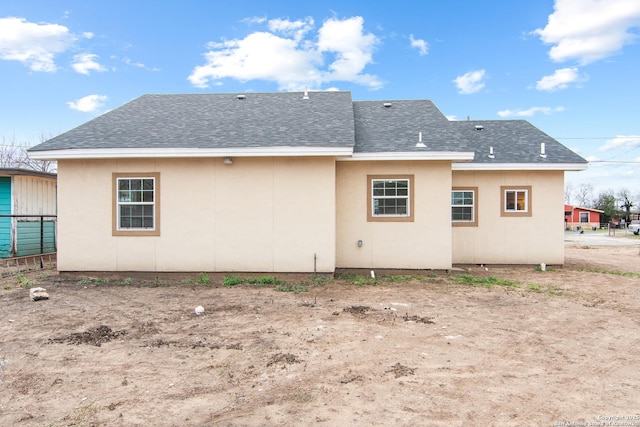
x=423 y=243
x=512 y=240
x=256 y=214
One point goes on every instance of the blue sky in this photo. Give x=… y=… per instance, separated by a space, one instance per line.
x=570 y=67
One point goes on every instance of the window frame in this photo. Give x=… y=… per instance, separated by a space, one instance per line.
x=527 y=212
x=410 y=196
x=588 y=217
x=461 y=223
x=115 y=227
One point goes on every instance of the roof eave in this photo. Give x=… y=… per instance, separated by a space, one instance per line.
x=456 y=156
x=145 y=153
x=519 y=166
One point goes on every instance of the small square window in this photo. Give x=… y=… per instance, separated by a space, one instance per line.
x=516 y=201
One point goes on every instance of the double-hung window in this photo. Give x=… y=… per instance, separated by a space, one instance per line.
x=136 y=201
x=516 y=201
x=390 y=197
x=464 y=210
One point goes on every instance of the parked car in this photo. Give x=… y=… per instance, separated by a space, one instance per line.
x=635 y=226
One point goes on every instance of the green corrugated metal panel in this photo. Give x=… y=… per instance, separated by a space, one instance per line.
x=28 y=239
x=5 y=223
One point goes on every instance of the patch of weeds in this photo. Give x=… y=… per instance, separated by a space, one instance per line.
x=360 y=280
x=264 y=281
x=547 y=268
x=296 y=289
x=126 y=281
x=548 y=289
x=187 y=281
x=231 y=280
x=613 y=272
x=203 y=279
x=321 y=279
x=468 y=279
x=24 y=281
x=402 y=278
x=553 y=290
x=7 y=288
x=90 y=281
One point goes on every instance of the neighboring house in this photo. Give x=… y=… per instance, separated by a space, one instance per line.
x=27 y=212
x=303 y=182
x=576 y=217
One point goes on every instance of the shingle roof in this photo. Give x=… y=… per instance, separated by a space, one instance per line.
x=218 y=121
x=232 y=121
x=395 y=126
x=513 y=141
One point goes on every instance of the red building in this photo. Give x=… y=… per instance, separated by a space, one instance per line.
x=585 y=218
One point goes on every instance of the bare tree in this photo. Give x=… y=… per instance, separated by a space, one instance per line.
x=14 y=155
x=568 y=192
x=626 y=203
x=584 y=195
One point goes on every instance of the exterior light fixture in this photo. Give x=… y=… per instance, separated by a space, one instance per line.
x=227 y=160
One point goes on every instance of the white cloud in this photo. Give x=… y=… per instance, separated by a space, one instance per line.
x=421 y=45
x=288 y=55
x=560 y=79
x=530 y=112
x=84 y=63
x=470 y=82
x=88 y=104
x=35 y=45
x=589 y=30
x=629 y=142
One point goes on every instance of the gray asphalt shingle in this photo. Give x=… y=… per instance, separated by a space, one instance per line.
x=326 y=119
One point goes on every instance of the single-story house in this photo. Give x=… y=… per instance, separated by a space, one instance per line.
x=303 y=182
x=27 y=212
x=578 y=217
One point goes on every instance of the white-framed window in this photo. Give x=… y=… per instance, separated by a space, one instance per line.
x=516 y=201
x=390 y=198
x=136 y=204
x=463 y=206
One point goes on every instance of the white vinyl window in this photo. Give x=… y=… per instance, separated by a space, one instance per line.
x=136 y=203
x=463 y=206
x=390 y=197
x=516 y=201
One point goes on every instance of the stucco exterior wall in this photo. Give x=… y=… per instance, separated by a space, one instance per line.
x=424 y=243
x=512 y=240
x=256 y=214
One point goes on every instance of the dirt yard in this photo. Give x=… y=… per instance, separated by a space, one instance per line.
x=503 y=347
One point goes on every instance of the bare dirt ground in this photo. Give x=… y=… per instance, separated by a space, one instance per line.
x=557 y=346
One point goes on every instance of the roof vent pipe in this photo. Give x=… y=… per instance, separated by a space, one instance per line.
x=306 y=94
x=491 y=155
x=420 y=144
x=387 y=104
x=543 y=150
x=241 y=96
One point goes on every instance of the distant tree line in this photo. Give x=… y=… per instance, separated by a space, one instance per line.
x=618 y=204
x=15 y=156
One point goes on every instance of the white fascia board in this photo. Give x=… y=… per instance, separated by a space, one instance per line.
x=132 y=153
x=519 y=166
x=457 y=156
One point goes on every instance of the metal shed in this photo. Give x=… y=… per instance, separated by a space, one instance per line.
x=28 y=212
